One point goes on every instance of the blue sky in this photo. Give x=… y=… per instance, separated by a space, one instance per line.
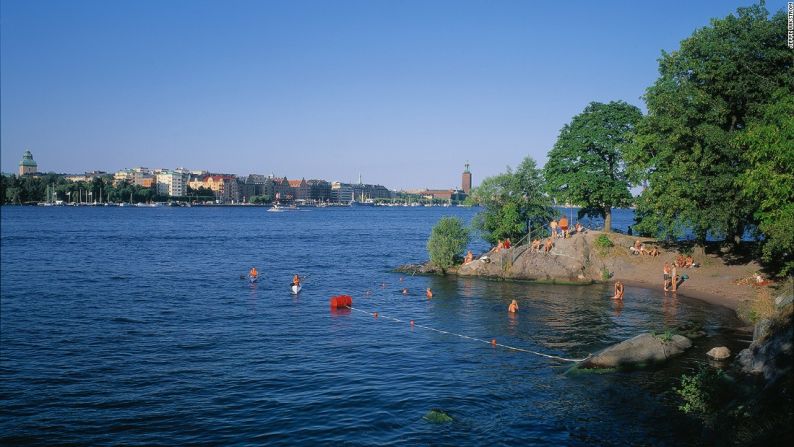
x=402 y=92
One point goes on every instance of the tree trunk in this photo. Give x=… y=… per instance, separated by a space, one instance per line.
x=607 y=219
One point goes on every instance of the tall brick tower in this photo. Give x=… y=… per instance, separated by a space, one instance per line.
x=466 y=184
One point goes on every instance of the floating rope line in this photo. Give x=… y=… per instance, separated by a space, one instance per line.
x=492 y=342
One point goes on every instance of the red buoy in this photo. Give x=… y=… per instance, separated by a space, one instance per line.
x=341 y=302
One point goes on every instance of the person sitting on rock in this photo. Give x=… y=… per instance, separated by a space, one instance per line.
x=654 y=251
x=689 y=262
x=578 y=227
x=499 y=245
x=535 y=245
x=468 y=258
x=680 y=261
x=618 y=291
x=553 y=227
x=506 y=243
x=513 y=308
x=548 y=245
x=637 y=248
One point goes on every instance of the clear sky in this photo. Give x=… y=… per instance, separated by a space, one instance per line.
x=402 y=92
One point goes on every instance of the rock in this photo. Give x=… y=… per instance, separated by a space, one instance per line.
x=748 y=363
x=782 y=301
x=437 y=416
x=761 y=329
x=720 y=353
x=635 y=352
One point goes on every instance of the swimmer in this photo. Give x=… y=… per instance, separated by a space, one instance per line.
x=429 y=293
x=513 y=308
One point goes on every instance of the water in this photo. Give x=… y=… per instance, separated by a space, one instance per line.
x=132 y=326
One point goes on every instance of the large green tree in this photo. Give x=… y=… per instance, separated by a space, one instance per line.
x=768 y=147
x=707 y=92
x=511 y=201
x=586 y=165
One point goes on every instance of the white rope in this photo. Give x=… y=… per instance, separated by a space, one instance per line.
x=472 y=338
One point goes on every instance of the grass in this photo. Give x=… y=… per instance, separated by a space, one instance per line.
x=758 y=308
x=665 y=336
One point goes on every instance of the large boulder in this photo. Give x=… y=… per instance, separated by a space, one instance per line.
x=639 y=351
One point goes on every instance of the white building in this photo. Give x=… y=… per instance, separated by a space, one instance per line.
x=341 y=192
x=172 y=183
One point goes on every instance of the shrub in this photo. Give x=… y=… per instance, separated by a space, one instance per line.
x=603 y=242
x=447 y=241
x=703 y=392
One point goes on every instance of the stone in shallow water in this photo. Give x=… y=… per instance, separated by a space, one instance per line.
x=719 y=353
x=639 y=351
x=437 y=416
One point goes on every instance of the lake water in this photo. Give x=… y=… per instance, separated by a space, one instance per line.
x=132 y=326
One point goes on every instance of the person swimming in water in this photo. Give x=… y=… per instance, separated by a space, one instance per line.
x=253 y=273
x=513 y=308
x=429 y=293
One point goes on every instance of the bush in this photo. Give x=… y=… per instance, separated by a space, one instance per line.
x=703 y=392
x=447 y=241
x=603 y=242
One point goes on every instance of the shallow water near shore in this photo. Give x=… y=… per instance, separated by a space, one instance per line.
x=132 y=326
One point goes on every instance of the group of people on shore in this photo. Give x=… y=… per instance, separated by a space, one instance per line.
x=639 y=249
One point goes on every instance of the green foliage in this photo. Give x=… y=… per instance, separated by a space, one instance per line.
x=586 y=164
x=510 y=200
x=703 y=392
x=603 y=241
x=605 y=274
x=707 y=93
x=768 y=147
x=447 y=241
x=665 y=336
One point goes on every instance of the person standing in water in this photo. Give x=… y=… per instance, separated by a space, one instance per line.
x=513 y=308
x=429 y=293
x=618 y=291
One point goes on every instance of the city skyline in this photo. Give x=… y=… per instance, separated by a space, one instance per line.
x=402 y=94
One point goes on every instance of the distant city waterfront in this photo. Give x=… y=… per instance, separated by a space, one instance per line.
x=181 y=186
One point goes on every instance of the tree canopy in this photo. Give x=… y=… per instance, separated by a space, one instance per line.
x=586 y=165
x=685 y=148
x=768 y=148
x=511 y=201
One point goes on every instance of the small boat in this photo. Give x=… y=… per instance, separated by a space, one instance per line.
x=280 y=208
x=295 y=289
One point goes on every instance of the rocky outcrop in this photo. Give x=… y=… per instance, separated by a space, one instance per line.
x=771 y=353
x=639 y=351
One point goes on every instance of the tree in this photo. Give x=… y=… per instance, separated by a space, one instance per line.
x=447 y=241
x=586 y=165
x=512 y=201
x=705 y=95
x=768 y=147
